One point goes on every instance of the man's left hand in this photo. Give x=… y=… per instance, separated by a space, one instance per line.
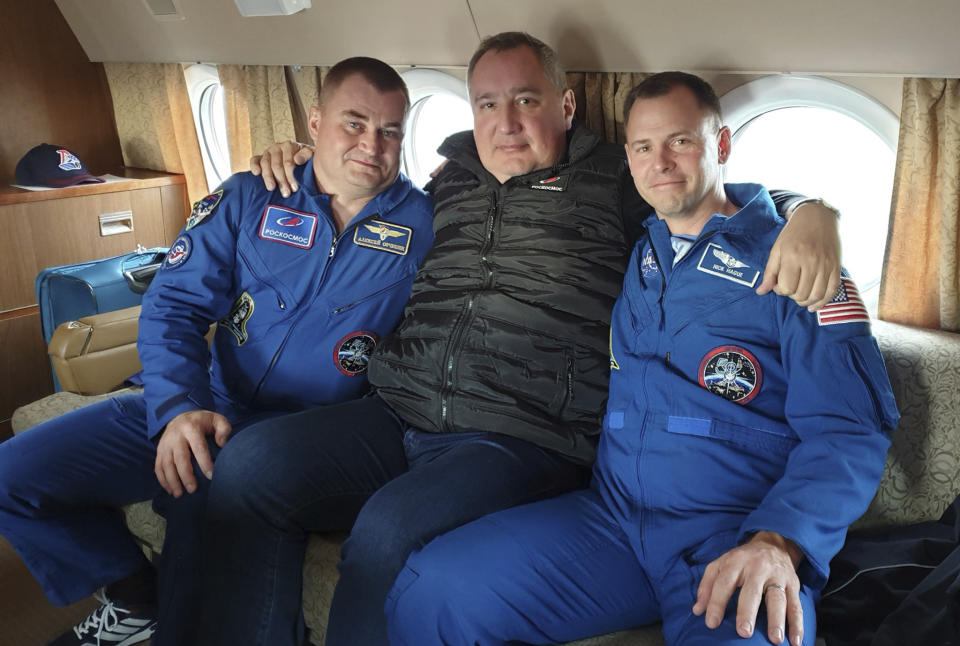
x=765 y=569
x=804 y=261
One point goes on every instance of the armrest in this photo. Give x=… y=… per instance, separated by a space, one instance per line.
x=95 y=354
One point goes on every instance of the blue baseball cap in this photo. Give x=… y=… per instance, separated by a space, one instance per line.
x=53 y=166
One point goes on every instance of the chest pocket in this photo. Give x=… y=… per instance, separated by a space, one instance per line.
x=375 y=291
x=288 y=270
x=723 y=310
x=756 y=440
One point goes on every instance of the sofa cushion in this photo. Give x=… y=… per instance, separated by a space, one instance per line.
x=922 y=476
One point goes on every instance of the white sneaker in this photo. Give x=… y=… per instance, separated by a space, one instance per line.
x=112 y=625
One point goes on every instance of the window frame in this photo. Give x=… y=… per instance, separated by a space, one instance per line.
x=423 y=83
x=203 y=81
x=765 y=94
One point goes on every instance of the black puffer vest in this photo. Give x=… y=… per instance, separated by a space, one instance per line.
x=507 y=326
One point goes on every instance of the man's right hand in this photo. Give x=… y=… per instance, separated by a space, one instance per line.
x=276 y=165
x=184 y=438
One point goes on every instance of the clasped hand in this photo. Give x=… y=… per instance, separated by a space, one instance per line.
x=184 y=438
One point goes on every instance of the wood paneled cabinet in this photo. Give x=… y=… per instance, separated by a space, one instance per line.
x=65 y=226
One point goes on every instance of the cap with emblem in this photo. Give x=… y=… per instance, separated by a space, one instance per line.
x=53 y=166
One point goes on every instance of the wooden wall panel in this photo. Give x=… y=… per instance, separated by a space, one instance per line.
x=25 y=373
x=51 y=92
x=175 y=209
x=66 y=231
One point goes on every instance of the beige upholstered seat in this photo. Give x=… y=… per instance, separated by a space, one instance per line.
x=922 y=475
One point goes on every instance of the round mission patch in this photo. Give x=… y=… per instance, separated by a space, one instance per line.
x=731 y=372
x=352 y=352
x=179 y=252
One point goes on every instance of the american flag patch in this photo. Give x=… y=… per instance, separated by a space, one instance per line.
x=846 y=306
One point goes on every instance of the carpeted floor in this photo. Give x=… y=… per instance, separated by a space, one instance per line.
x=26 y=617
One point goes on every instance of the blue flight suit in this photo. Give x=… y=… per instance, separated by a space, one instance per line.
x=299 y=310
x=729 y=413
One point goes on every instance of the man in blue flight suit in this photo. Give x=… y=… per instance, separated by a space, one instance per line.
x=302 y=288
x=742 y=436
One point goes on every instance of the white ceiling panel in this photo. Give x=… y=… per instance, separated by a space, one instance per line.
x=424 y=32
x=892 y=37
x=820 y=36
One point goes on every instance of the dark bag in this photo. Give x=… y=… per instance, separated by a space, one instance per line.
x=896 y=586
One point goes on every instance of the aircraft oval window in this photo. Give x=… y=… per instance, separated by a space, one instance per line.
x=438 y=108
x=824 y=139
x=206 y=100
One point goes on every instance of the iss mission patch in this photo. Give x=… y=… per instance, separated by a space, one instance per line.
x=352 y=352
x=731 y=372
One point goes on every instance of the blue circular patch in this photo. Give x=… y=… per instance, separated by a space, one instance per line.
x=179 y=252
x=731 y=372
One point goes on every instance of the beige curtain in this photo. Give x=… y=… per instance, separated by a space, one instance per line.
x=600 y=97
x=921 y=279
x=265 y=104
x=306 y=81
x=154 y=121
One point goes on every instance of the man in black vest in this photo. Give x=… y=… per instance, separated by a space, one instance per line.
x=488 y=395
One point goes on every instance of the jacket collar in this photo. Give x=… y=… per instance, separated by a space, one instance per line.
x=757 y=214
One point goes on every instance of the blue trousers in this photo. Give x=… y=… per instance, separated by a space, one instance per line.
x=352 y=465
x=556 y=571
x=61 y=486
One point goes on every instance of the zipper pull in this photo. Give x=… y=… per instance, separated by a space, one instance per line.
x=333 y=247
x=668 y=357
x=281 y=304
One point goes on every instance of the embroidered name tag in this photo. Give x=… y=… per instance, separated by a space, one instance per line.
x=290 y=227
x=383 y=236
x=718 y=262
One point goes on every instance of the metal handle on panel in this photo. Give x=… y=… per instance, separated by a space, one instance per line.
x=112 y=224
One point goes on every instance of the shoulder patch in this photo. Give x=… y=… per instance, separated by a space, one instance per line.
x=352 y=352
x=203 y=208
x=179 y=252
x=383 y=236
x=236 y=320
x=720 y=263
x=289 y=227
x=846 y=306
